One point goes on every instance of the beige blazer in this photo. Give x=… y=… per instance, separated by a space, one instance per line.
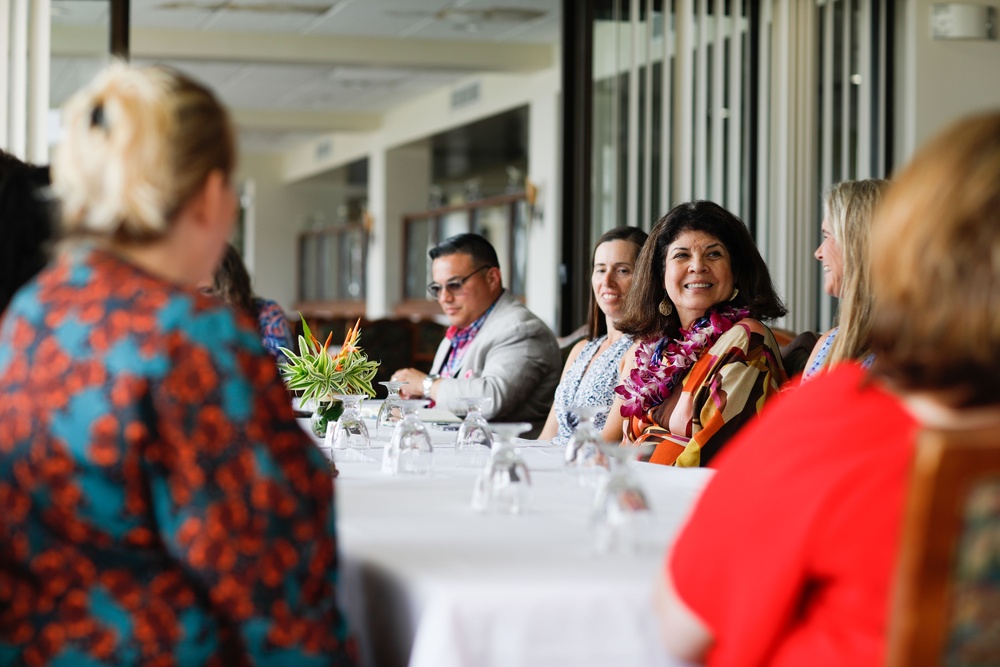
x=514 y=359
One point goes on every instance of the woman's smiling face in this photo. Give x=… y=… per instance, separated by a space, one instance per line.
x=832 y=259
x=697 y=274
x=614 y=264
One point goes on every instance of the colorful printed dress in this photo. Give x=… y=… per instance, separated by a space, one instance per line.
x=724 y=389
x=275 y=332
x=160 y=506
x=824 y=352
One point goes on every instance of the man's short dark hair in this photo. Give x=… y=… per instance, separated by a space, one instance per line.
x=476 y=246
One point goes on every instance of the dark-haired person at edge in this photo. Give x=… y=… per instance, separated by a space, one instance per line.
x=161 y=504
x=703 y=364
x=495 y=347
x=231 y=283
x=26 y=225
x=789 y=556
x=595 y=364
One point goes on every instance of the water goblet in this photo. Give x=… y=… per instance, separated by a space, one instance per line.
x=474 y=438
x=621 y=515
x=350 y=431
x=505 y=484
x=389 y=414
x=583 y=453
x=409 y=449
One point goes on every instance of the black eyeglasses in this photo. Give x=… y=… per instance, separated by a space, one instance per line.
x=454 y=286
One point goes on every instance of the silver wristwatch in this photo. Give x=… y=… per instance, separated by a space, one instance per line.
x=428 y=383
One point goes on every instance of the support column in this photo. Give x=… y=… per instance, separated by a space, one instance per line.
x=18 y=120
x=5 y=28
x=38 y=102
x=545 y=230
x=399 y=180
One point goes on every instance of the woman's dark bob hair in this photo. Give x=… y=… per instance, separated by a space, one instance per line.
x=597 y=324
x=232 y=282
x=641 y=317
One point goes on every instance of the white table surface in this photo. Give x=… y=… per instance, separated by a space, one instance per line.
x=428 y=582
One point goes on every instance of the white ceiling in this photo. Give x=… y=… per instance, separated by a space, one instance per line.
x=291 y=70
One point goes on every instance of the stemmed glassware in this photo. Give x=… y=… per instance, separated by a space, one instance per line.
x=389 y=414
x=621 y=515
x=505 y=484
x=474 y=438
x=409 y=449
x=583 y=451
x=350 y=431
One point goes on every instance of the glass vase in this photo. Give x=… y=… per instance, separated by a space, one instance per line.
x=326 y=412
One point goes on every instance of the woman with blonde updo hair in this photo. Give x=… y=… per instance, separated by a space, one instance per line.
x=161 y=504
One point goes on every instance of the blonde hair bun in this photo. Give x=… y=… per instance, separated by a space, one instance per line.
x=138 y=143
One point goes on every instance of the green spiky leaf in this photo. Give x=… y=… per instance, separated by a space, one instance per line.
x=317 y=373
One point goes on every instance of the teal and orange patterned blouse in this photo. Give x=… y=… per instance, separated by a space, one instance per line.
x=158 y=503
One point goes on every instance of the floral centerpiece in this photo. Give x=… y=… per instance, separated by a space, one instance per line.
x=319 y=374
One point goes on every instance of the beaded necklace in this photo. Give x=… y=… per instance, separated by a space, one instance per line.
x=660 y=364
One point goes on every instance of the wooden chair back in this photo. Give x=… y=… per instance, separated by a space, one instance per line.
x=946 y=606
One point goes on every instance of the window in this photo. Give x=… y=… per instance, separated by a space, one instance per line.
x=331 y=264
x=501 y=219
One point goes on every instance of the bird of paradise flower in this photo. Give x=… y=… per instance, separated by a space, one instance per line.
x=319 y=374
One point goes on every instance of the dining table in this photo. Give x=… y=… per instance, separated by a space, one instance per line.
x=427 y=581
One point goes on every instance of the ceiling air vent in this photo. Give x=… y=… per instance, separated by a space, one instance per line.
x=465 y=95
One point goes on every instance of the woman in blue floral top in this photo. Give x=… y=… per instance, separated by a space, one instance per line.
x=593 y=366
x=231 y=282
x=160 y=506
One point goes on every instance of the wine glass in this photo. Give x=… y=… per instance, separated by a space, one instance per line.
x=621 y=513
x=583 y=453
x=409 y=449
x=389 y=414
x=474 y=438
x=350 y=431
x=505 y=484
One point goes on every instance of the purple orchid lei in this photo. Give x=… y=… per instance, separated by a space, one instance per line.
x=660 y=364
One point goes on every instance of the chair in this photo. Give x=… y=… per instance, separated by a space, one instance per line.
x=795 y=353
x=567 y=342
x=946 y=607
x=795 y=349
x=390 y=341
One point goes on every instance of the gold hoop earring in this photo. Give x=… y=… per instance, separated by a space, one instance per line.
x=736 y=290
x=666 y=308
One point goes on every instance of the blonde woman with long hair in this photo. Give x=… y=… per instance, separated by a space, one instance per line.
x=848 y=208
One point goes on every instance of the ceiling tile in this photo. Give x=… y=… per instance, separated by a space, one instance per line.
x=270 y=86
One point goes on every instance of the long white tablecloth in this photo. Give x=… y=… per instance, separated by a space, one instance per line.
x=428 y=582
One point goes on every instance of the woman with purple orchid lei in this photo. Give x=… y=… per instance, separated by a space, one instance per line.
x=705 y=363
x=660 y=365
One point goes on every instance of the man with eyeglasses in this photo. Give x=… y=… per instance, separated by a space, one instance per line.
x=495 y=347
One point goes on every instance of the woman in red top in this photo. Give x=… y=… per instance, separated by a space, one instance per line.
x=789 y=555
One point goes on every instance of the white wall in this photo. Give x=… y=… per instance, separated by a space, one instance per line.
x=545 y=232
x=399 y=181
x=941 y=80
x=278 y=209
x=396 y=176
